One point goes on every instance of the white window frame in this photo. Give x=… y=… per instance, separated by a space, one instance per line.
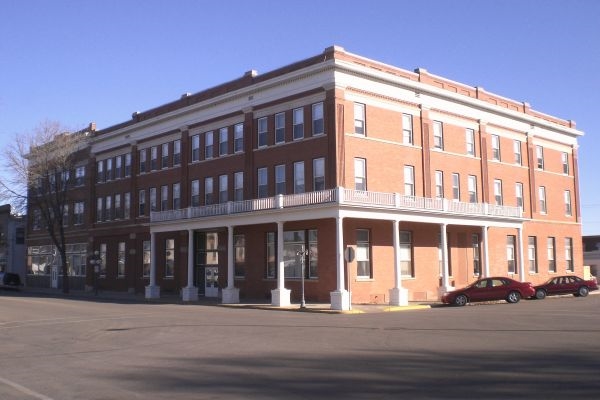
x=360 y=125
x=280 y=179
x=262 y=182
x=409 y=180
x=280 y=128
x=238 y=141
x=360 y=174
x=496 y=155
x=472 y=188
x=498 y=196
x=542 y=199
x=439 y=184
x=223 y=188
x=470 y=140
x=209 y=145
x=318 y=119
x=299 y=178
x=319 y=174
x=298 y=123
x=407 y=129
x=223 y=141
x=438 y=135
x=238 y=189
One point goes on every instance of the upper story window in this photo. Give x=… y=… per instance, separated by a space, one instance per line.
x=153 y=158
x=280 y=179
x=142 y=203
x=164 y=156
x=360 y=174
x=78 y=210
x=299 y=177
x=407 y=129
x=263 y=188
x=208 y=145
x=176 y=152
x=439 y=184
x=498 y=192
x=565 y=163
x=195 y=193
x=152 y=199
x=208 y=190
x=223 y=141
x=517 y=151
x=118 y=167
x=238 y=186
x=472 y=188
x=223 y=189
x=539 y=152
x=279 y=128
x=455 y=187
x=100 y=171
x=496 y=148
x=318 y=124
x=109 y=169
x=79 y=176
x=359 y=119
x=318 y=174
x=519 y=194
x=470 y=140
x=262 y=132
x=542 y=198
x=409 y=180
x=438 y=135
x=195 y=148
x=568 y=209
x=298 y=122
x=127 y=165
x=238 y=138
x=143 y=161
x=164 y=198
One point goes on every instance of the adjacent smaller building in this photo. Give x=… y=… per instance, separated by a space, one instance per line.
x=591 y=253
x=12 y=242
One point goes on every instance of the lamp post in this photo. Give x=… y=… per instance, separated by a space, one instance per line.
x=303 y=254
x=95 y=262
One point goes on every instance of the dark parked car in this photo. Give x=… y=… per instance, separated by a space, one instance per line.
x=496 y=288
x=569 y=284
x=10 y=280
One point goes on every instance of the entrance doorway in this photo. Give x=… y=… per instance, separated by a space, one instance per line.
x=206 y=268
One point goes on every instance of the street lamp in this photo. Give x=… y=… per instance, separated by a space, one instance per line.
x=303 y=254
x=95 y=262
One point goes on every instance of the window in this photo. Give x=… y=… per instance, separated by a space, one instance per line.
x=118 y=209
x=407 y=129
x=280 y=179
x=279 y=128
x=78 y=211
x=439 y=184
x=318 y=125
x=542 y=196
x=262 y=132
x=551 y=254
x=152 y=199
x=568 y=210
x=406 y=265
x=142 y=203
x=127 y=205
x=238 y=186
x=176 y=152
x=517 y=151
x=299 y=177
x=519 y=194
x=510 y=254
x=223 y=189
x=470 y=140
x=108 y=208
x=109 y=169
x=363 y=254
x=102 y=260
x=409 y=180
x=238 y=138
x=359 y=119
x=223 y=141
x=539 y=152
x=164 y=156
x=99 y=209
x=438 y=135
x=121 y=260
x=176 y=196
x=100 y=171
x=298 y=122
x=143 y=161
x=208 y=145
x=532 y=254
x=263 y=188
x=294 y=242
x=499 y=200
x=239 y=251
x=476 y=255
x=495 y=147
x=360 y=174
x=79 y=176
x=164 y=198
x=195 y=148
x=271 y=261
x=456 y=187
x=472 y=188
x=146 y=259
x=318 y=174
x=565 y=163
x=195 y=193
x=127 y=165
x=569 y=254
x=208 y=190
x=37 y=219
x=153 y=158
x=169 y=258
x=65 y=215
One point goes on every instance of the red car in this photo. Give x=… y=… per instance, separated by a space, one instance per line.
x=569 y=284
x=496 y=288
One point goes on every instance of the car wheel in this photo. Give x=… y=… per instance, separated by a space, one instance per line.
x=540 y=294
x=583 y=291
x=460 y=300
x=513 y=297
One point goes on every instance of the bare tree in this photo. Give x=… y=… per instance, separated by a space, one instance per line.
x=37 y=178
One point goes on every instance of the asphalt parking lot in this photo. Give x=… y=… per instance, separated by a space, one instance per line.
x=57 y=348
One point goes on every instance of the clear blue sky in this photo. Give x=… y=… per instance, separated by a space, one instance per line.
x=79 y=61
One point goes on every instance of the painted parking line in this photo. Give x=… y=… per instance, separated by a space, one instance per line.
x=24 y=390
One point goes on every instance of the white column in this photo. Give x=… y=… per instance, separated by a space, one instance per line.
x=340 y=299
x=521 y=260
x=280 y=297
x=231 y=294
x=486 y=252
x=190 y=292
x=446 y=287
x=152 y=291
x=398 y=294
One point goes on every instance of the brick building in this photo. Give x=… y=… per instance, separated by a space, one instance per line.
x=256 y=188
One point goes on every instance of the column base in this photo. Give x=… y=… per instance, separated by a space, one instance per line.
x=280 y=297
x=340 y=300
x=399 y=297
x=230 y=296
x=189 y=293
x=152 y=292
